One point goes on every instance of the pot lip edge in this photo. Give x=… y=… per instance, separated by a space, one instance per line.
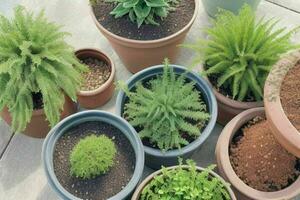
x=108 y=82
x=222 y=157
x=149 y=42
x=47 y=163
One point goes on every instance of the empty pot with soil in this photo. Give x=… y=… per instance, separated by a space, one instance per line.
x=172 y=109
x=184 y=182
x=253 y=161
x=98 y=84
x=282 y=102
x=237 y=72
x=143 y=33
x=93 y=155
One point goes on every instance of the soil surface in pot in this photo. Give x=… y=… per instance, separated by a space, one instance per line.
x=260 y=161
x=37 y=100
x=101 y=187
x=290 y=95
x=123 y=27
x=98 y=74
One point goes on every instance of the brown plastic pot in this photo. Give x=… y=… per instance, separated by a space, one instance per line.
x=98 y=97
x=39 y=127
x=229 y=108
x=140 y=188
x=284 y=131
x=139 y=54
x=243 y=191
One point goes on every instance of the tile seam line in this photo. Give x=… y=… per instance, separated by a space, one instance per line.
x=6 y=146
x=280 y=5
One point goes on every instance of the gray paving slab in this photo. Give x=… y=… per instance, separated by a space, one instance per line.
x=293 y=5
x=21 y=172
x=5 y=136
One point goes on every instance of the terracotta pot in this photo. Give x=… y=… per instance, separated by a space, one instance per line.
x=138 y=191
x=139 y=54
x=229 y=108
x=243 y=191
x=98 y=97
x=39 y=127
x=284 y=131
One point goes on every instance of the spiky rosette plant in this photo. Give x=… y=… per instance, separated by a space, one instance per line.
x=143 y=11
x=240 y=52
x=185 y=183
x=166 y=109
x=34 y=58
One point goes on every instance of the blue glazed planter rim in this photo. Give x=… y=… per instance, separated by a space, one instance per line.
x=205 y=133
x=75 y=119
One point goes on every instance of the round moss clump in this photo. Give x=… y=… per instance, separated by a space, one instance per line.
x=92 y=156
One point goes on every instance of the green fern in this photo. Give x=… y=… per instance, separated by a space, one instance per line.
x=241 y=51
x=35 y=59
x=166 y=109
x=142 y=11
x=181 y=183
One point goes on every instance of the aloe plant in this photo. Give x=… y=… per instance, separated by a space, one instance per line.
x=240 y=52
x=143 y=11
x=35 y=59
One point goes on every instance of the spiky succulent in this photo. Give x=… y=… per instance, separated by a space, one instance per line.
x=240 y=51
x=34 y=58
x=143 y=11
x=92 y=156
x=166 y=108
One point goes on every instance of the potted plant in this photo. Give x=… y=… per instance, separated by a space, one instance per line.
x=39 y=73
x=93 y=155
x=238 y=55
x=282 y=102
x=144 y=32
x=184 y=182
x=98 y=86
x=212 y=7
x=253 y=161
x=172 y=109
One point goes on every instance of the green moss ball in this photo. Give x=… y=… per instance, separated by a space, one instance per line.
x=92 y=156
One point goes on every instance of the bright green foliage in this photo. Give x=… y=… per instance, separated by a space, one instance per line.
x=143 y=11
x=241 y=51
x=92 y=156
x=185 y=184
x=34 y=58
x=165 y=108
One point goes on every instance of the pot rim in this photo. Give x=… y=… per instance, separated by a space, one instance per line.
x=150 y=177
x=206 y=92
x=226 y=169
x=286 y=132
x=130 y=42
x=112 y=67
x=91 y=115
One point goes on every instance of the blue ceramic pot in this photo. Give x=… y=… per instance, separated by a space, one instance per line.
x=155 y=158
x=81 y=117
x=212 y=6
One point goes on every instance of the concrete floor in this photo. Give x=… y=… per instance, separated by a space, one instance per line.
x=21 y=172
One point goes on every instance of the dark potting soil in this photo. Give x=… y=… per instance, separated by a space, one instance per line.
x=37 y=99
x=290 y=95
x=260 y=161
x=101 y=187
x=123 y=27
x=186 y=136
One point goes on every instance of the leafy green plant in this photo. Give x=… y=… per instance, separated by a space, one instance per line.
x=167 y=109
x=92 y=156
x=240 y=52
x=185 y=182
x=143 y=11
x=35 y=59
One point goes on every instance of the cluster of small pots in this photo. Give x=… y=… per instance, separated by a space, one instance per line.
x=222 y=109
